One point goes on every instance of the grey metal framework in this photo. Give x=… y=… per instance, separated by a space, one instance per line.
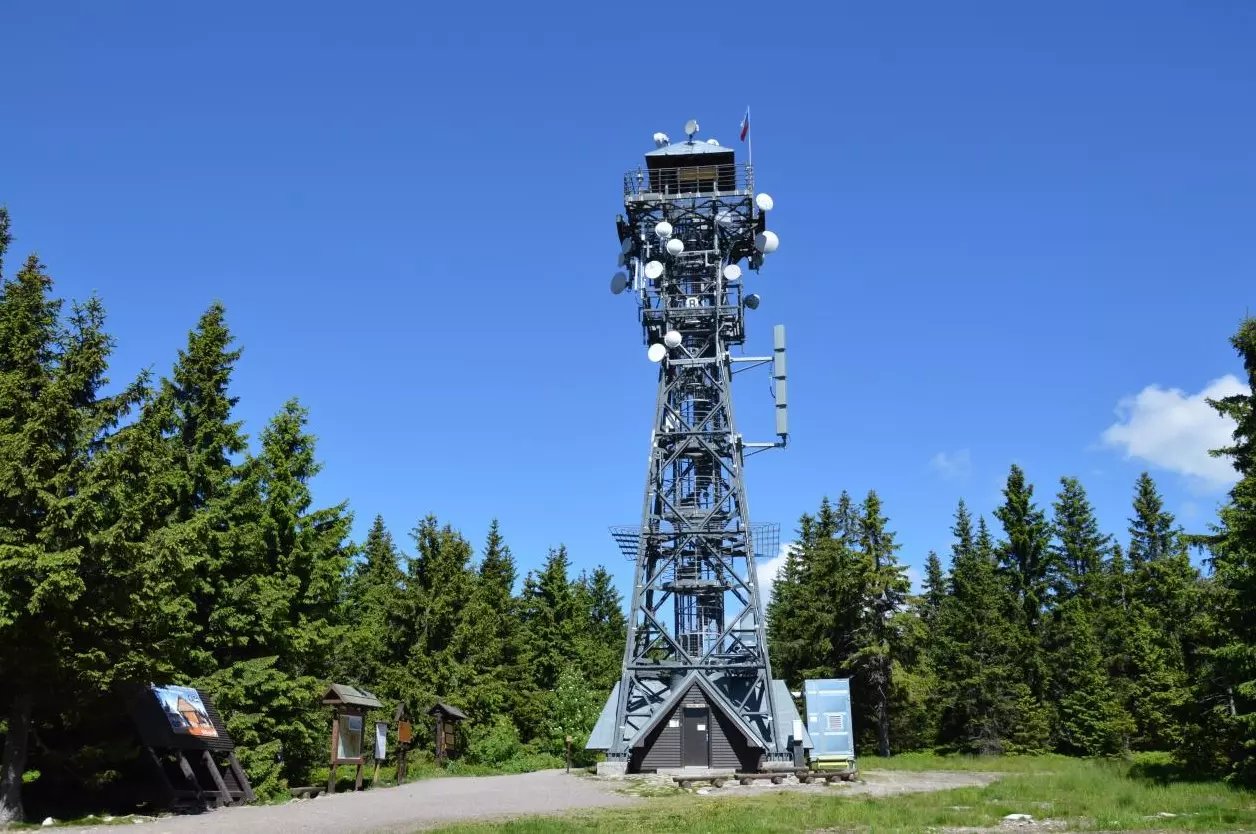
x=695 y=605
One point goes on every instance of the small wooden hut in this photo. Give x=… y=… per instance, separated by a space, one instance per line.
x=349 y=707
x=447 y=720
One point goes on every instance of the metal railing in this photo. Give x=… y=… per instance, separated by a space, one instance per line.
x=689 y=181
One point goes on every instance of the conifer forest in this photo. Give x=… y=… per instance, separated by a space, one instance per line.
x=147 y=535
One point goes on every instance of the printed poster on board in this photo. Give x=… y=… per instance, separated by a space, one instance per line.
x=350 y=742
x=381 y=740
x=184 y=710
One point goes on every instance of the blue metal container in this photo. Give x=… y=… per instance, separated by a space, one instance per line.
x=829 y=724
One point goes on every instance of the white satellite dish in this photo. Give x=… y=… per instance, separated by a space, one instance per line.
x=732 y=272
x=661 y=140
x=653 y=269
x=691 y=127
x=672 y=339
x=764 y=202
x=752 y=301
x=663 y=229
x=621 y=260
x=766 y=242
x=626 y=246
x=713 y=141
x=619 y=282
x=656 y=352
x=675 y=246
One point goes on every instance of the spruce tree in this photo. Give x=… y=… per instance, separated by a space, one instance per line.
x=373 y=652
x=1163 y=590
x=1090 y=719
x=790 y=631
x=55 y=514
x=1024 y=556
x=603 y=631
x=549 y=618
x=984 y=701
x=211 y=502
x=1079 y=550
x=1025 y=561
x=438 y=587
x=491 y=642
x=883 y=593
x=1230 y=691
x=934 y=589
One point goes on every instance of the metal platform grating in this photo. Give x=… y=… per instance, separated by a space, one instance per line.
x=765 y=537
x=628 y=537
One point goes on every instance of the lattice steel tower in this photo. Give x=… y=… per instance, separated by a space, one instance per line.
x=691 y=218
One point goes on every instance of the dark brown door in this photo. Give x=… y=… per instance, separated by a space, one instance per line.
x=693 y=737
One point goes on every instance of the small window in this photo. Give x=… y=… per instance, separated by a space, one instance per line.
x=836 y=721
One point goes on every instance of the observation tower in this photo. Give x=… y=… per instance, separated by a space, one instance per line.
x=696 y=688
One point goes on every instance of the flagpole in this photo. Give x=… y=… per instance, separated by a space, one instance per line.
x=749 y=140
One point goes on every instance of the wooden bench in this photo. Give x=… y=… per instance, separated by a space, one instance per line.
x=829 y=776
x=686 y=781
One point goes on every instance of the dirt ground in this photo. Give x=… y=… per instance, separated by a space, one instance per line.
x=433 y=802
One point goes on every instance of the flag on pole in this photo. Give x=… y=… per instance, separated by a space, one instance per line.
x=745 y=125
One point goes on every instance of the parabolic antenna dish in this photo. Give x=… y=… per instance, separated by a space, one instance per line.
x=619 y=283
x=764 y=202
x=732 y=272
x=766 y=242
x=653 y=269
x=691 y=127
x=752 y=301
x=663 y=229
x=672 y=339
x=656 y=352
x=675 y=246
x=626 y=246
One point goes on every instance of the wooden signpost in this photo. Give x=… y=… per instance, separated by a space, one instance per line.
x=447 y=719
x=348 y=726
x=187 y=742
x=405 y=735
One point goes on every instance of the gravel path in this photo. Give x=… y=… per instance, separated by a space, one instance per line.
x=413 y=807
x=432 y=802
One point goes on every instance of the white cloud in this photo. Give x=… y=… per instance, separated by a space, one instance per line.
x=1174 y=430
x=952 y=465
x=916 y=580
x=768 y=570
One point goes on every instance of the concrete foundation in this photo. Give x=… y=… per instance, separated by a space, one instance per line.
x=612 y=768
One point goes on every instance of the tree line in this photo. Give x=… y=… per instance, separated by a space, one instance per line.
x=143 y=538
x=1044 y=633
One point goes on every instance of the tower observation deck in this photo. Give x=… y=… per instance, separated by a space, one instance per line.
x=696 y=685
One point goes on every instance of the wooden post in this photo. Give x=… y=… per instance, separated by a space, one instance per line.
x=212 y=767
x=357 y=782
x=161 y=773
x=335 y=741
x=190 y=775
x=440 y=738
x=569 y=754
x=241 y=777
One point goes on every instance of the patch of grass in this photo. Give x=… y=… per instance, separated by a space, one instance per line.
x=985 y=764
x=1088 y=795
x=650 y=787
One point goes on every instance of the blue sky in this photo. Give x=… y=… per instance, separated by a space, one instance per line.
x=1004 y=229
